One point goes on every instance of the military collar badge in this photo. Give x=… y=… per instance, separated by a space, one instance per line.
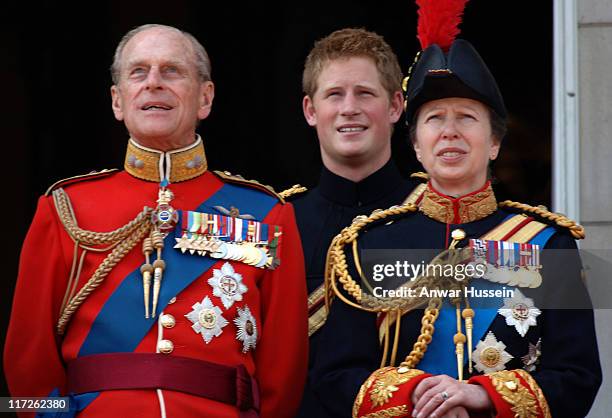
x=464 y=209
x=519 y=312
x=247 y=329
x=173 y=166
x=207 y=319
x=227 y=285
x=490 y=355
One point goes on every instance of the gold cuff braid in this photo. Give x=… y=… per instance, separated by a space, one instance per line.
x=508 y=385
x=396 y=411
x=385 y=382
x=535 y=388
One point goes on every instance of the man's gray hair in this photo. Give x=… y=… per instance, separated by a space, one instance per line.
x=202 y=62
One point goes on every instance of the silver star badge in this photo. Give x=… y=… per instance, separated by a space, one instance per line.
x=531 y=358
x=227 y=285
x=247 y=329
x=520 y=312
x=207 y=319
x=490 y=355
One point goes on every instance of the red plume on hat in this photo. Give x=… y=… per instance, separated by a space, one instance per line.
x=438 y=22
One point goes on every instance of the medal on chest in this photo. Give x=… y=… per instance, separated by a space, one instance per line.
x=519 y=312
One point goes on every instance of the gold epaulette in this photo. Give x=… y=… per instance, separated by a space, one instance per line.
x=90 y=176
x=421 y=175
x=292 y=191
x=549 y=217
x=238 y=179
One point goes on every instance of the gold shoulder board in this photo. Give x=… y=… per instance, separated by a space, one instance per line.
x=238 y=179
x=82 y=177
x=420 y=175
x=292 y=191
x=551 y=218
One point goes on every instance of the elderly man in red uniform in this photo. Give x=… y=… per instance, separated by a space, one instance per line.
x=163 y=289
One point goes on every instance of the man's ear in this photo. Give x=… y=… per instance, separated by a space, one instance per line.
x=310 y=112
x=116 y=102
x=397 y=106
x=207 y=94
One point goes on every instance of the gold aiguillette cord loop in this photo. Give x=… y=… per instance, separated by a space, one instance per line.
x=120 y=240
x=427 y=330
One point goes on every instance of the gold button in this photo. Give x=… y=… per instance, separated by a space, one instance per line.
x=167 y=321
x=458 y=234
x=165 y=346
x=171 y=301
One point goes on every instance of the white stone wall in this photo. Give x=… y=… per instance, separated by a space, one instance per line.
x=595 y=95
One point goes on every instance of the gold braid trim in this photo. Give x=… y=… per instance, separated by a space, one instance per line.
x=66 y=215
x=337 y=270
x=427 y=329
x=420 y=175
x=385 y=382
x=89 y=176
x=336 y=266
x=396 y=411
x=522 y=402
x=100 y=274
x=238 y=179
x=561 y=220
x=293 y=190
x=535 y=388
x=122 y=241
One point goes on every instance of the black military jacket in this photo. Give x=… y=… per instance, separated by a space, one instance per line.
x=322 y=213
x=568 y=370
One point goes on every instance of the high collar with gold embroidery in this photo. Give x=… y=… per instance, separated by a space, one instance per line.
x=460 y=210
x=176 y=165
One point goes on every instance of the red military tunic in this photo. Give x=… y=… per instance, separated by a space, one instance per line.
x=35 y=355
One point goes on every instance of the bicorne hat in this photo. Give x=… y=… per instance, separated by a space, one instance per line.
x=447 y=67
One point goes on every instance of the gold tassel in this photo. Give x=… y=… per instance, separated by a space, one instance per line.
x=146 y=269
x=158 y=268
x=459 y=340
x=468 y=315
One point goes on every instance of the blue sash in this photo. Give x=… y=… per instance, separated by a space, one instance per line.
x=76 y=403
x=440 y=357
x=120 y=325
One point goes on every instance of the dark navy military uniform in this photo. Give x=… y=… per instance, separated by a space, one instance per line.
x=322 y=213
x=567 y=371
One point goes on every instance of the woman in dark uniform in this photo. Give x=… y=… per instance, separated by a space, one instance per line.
x=527 y=348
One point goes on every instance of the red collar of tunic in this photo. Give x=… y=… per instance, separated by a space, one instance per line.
x=458 y=210
x=177 y=165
